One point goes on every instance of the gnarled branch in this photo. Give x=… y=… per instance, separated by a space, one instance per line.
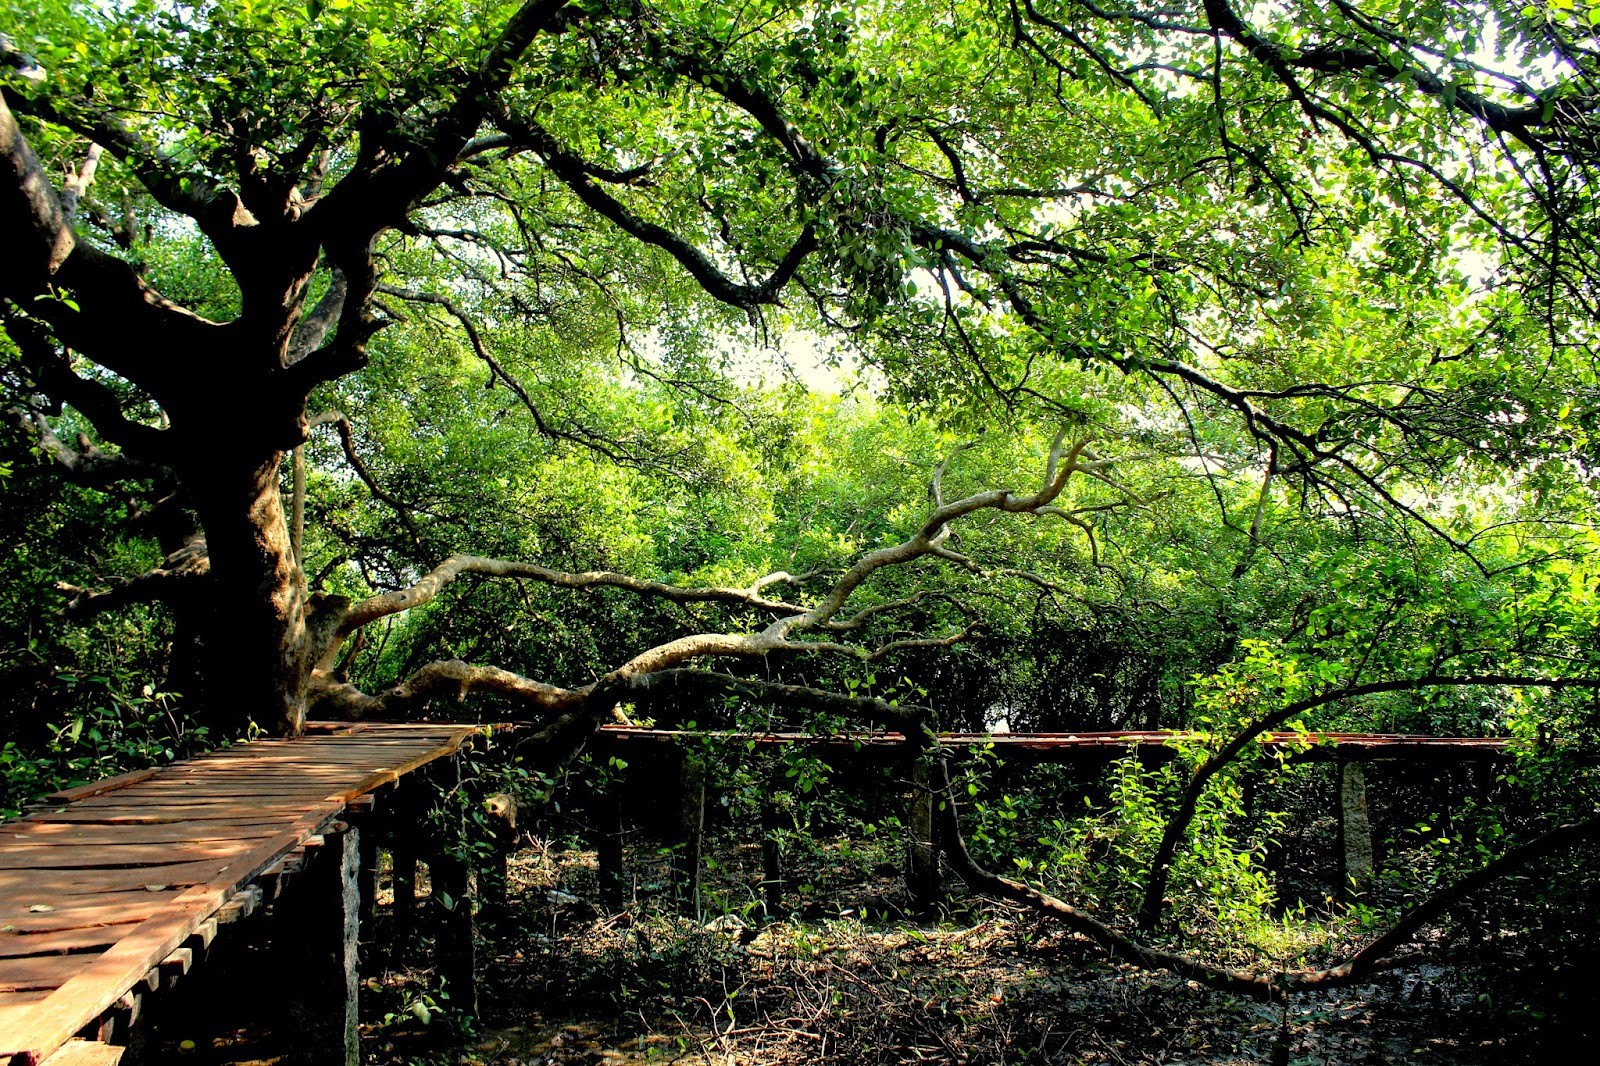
x=179 y=575
x=1178 y=824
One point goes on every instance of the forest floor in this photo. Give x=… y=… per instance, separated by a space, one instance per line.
x=854 y=981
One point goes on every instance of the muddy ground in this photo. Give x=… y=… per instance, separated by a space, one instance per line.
x=852 y=980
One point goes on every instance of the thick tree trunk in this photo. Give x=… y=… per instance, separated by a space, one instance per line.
x=257 y=654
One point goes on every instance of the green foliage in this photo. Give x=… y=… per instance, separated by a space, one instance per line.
x=1331 y=350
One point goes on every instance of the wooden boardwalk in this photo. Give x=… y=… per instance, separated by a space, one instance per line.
x=106 y=883
x=108 y=889
x=1360 y=747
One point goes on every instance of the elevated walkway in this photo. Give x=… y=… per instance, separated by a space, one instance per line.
x=1062 y=747
x=103 y=886
x=111 y=890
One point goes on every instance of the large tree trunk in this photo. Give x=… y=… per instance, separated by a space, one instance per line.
x=256 y=654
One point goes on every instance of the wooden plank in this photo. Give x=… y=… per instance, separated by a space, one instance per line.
x=269 y=816
x=302 y=749
x=175 y=965
x=230 y=812
x=200 y=802
x=354 y=761
x=83 y=912
x=267 y=773
x=245 y=796
x=307 y=775
x=86 y=1053
x=204 y=934
x=234 y=777
x=53 y=1021
x=41 y=886
x=15 y=1005
x=41 y=972
x=15 y=945
x=96 y=788
x=242 y=905
x=89 y=856
x=23 y=835
x=200 y=806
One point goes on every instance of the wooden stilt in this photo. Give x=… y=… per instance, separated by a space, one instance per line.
x=363 y=819
x=1355 y=827
x=691 y=831
x=922 y=852
x=771 y=859
x=454 y=947
x=404 y=857
x=315 y=935
x=410 y=834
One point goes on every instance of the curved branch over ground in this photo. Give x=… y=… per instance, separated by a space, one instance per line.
x=457 y=566
x=775 y=637
x=1178 y=824
x=1370 y=959
x=446 y=679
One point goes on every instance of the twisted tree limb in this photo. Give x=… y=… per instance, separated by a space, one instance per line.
x=1178 y=823
x=180 y=574
x=1376 y=956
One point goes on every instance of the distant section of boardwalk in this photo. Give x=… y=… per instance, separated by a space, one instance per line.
x=1358 y=747
x=103 y=885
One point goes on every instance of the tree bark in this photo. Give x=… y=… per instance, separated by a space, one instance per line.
x=257 y=651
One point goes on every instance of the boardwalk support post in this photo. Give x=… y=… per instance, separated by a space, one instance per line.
x=922 y=851
x=361 y=815
x=691 y=832
x=454 y=948
x=1355 y=827
x=406 y=822
x=315 y=944
x=772 y=858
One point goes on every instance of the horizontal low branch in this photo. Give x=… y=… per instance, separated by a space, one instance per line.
x=179 y=575
x=450 y=679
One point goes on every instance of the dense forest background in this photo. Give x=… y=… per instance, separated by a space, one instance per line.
x=399 y=360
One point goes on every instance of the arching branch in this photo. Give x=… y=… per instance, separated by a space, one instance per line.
x=179 y=575
x=1178 y=824
x=457 y=566
x=1062 y=464
x=84 y=463
x=450 y=679
x=575 y=174
x=780 y=635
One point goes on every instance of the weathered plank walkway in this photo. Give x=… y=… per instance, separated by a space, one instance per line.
x=1357 y=747
x=108 y=889
x=106 y=883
